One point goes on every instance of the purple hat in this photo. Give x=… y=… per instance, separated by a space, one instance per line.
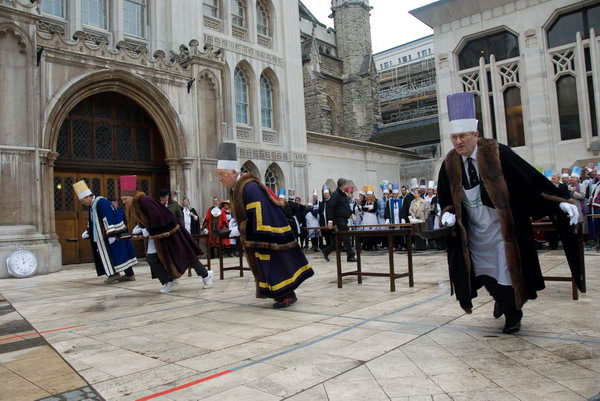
x=461 y=113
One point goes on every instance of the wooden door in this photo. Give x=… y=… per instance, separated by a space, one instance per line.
x=66 y=206
x=72 y=217
x=95 y=183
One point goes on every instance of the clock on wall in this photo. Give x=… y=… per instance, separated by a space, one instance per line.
x=21 y=263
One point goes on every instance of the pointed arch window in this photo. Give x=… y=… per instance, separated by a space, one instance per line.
x=263 y=19
x=238 y=14
x=241 y=96
x=272 y=179
x=577 y=98
x=266 y=102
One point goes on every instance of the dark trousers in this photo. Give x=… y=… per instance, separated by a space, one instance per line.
x=200 y=269
x=505 y=296
x=157 y=268
x=341 y=225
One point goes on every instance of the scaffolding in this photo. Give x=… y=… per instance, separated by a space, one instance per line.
x=408 y=91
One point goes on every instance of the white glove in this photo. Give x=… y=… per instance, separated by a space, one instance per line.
x=111 y=240
x=85 y=235
x=448 y=219
x=145 y=232
x=136 y=230
x=387 y=221
x=235 y=232
x=403 y=221
x=571 y=211
x=205 y=231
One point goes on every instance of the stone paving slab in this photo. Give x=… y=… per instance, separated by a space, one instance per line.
x=360 y=342
x=30 y=369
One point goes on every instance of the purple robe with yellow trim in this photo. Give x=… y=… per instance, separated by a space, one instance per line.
x=276 y=260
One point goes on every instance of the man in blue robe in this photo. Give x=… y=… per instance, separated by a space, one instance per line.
x=111 y=257
x=277 y=262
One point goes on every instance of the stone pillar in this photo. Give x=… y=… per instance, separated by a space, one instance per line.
x=173 y=163
x=47 y=183
x=188 y=189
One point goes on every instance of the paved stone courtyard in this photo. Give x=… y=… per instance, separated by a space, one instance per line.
x=360 y=342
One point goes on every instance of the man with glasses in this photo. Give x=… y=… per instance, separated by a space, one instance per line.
x=493 y=244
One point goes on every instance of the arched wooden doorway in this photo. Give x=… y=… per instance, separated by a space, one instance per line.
x=104 y=136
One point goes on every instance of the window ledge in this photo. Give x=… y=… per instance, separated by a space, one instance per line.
x=239 y=32
x=52 y=24
x=269 y=136
x=264 y=41
x=244 y=132
x=213 y=23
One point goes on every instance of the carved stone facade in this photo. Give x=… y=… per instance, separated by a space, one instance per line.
x=178 y=83
x=49 y=65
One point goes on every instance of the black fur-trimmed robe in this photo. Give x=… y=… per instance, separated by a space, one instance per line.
x=519 y=193
x=272 y=251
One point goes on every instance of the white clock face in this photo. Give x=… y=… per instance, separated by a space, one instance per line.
x=22 y=264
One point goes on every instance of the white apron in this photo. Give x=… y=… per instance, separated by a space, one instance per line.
x=485 y=238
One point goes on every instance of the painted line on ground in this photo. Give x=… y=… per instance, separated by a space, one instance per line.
x=185 y=385
x=22 y=336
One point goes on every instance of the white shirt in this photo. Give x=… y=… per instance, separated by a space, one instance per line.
x=187 y=219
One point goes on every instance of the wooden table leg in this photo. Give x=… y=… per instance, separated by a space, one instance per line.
x=390 y=242
x=358 y=260
x=582 y=255
x=221 y=259
x=338 y=259
x=241 y=253
x=411 y=282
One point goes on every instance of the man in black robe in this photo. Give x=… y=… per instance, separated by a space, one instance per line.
x=492 y=244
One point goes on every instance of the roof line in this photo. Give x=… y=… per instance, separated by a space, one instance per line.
x=402 y=45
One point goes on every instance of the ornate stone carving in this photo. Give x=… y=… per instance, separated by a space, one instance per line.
x=271 y=155
x=95 y=38
x=51 y=27
x=212 y=23
x=264 y=41
x=269 y=136
x=21 y=39
x=240 y=33
x=183 y=58
x=241 y=49
x=133 y=47
x=243 y=133
x=210 y=51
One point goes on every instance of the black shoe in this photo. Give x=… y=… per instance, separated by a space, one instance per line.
x=351 y=259
x=498 y=310
x=326 y=256
x=510 y=328
x=285 y=302
x=513 y=321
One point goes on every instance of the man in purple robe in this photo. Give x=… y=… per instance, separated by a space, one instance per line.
x=277 y=262
x=175 y=247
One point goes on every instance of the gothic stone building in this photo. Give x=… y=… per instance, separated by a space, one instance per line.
x=94 y=89
x=340 y=85
x=534 y=66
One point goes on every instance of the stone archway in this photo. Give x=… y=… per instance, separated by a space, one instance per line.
x=140 y=91
x=144 y=93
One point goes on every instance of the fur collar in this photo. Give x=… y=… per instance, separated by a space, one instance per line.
x=490 y=170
